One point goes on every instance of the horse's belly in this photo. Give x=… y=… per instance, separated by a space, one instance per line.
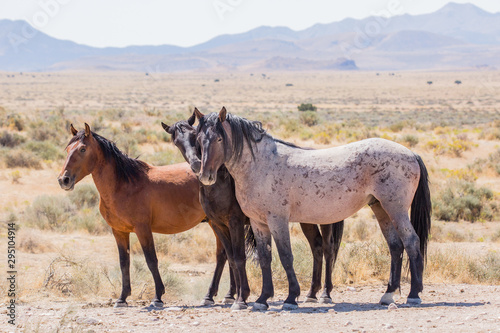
x=326 y=210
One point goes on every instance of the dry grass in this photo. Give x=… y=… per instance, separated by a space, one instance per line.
x=456 y=129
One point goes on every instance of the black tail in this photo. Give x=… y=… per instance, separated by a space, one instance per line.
x=421 y=208
x=250 y=241
x=337 y=232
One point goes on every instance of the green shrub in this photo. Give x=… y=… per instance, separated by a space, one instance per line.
x=463 y=200
x=306 y=107
x=309 y=118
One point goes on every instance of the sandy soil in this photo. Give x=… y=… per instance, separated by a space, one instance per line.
x=457 y=308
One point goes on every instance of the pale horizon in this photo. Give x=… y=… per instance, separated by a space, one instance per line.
x=154 y=22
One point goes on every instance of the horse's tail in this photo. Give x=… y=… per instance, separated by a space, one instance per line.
x=337 y=232
x=421 y=208
x=250 y=241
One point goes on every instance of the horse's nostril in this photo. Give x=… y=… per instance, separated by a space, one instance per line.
x=66 y=180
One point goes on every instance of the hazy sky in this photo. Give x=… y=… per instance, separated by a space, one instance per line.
x=189 y=22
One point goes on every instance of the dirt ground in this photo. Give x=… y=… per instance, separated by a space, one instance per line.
x=457 y=308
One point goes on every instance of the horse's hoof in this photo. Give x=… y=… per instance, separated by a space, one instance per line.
x=310 y=300
x=156 y=304
x=207 y=302
x=289 y=306
x=259 y=307
x=120 y=304
x=228 y=300
x=325 y=300
x=387 y=299
x=414 y=301
x=237 y=306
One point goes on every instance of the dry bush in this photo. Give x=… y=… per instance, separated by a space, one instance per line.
x=455 y=265
x=83 y=278
x=10 y=140
x=197 y=245
x=22 y=159
x=29 y=240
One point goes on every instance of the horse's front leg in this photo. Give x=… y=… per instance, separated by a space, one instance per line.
x=313 y=236
x=221 y=259
x=279 y=229
x=123 y=243
x=237 y=233
x=145 y=237
x=263 y=240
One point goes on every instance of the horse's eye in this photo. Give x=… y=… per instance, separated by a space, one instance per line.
x=219 y=139
x=83 y=150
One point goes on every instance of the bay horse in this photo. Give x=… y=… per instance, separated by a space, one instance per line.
x=277 y=182
x=137 y=197
x=220 y=204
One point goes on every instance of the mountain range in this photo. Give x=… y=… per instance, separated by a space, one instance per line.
x=457 y=36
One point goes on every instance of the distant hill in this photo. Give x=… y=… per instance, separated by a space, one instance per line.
x=457 y=36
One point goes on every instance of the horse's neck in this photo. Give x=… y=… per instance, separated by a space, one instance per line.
x=105 y=179
x=242 y=169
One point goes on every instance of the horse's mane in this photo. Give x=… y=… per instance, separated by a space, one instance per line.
x=242 y=130
x=126 y=168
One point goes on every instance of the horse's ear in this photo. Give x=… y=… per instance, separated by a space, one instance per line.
x=73 y=130
x=87 y=130
x=192 y=119
x=222 y=114
x=198 y=113
x=167 y=128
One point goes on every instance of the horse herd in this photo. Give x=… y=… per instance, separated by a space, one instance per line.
x=249 y=185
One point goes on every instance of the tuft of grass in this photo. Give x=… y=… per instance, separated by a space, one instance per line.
x=410 y=140
x=309 y=118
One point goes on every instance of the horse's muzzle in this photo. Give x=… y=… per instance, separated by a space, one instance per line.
x=207 y=180
x=66 y=182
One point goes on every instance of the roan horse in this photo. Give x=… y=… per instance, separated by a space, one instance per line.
x=137 y=197
x=277 y=182
x=220 y=205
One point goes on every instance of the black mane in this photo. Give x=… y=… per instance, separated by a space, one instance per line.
x=242 y=130
x=126 y=168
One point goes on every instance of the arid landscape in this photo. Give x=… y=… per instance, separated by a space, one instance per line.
x=66 y=256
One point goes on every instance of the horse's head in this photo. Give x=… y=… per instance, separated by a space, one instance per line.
x=82 y=156
x=214 y=140
x=184 y=137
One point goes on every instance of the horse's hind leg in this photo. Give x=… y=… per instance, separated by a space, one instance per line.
x=332 y=237
x=396 y=249
x=123 y=243
x=214 y=285
x=313 y=236
x=411 y=242
x=145 y=237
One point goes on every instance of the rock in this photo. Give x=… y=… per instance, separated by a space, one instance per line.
x=389 y=327
x=196 y=323
x=173 y=308
x=392 y=306
x=351 y=289
x=348 y=323
x=88 y=321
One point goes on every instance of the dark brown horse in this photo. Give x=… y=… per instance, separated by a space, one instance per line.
x=137 y=197
x=220 y=204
